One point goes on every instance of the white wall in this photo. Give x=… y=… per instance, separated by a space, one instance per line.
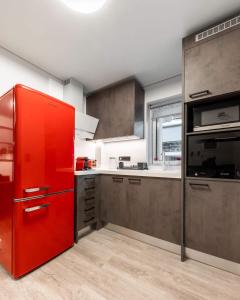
x=137 y=149
x=15 y=70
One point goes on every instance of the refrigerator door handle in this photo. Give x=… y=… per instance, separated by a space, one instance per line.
x=34 y=208
x=36 y=189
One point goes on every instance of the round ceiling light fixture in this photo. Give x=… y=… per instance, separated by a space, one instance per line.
x=85 y=6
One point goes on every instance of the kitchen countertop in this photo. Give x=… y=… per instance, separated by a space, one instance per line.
x=175 y=174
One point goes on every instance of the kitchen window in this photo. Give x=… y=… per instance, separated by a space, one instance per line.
x=165 y=133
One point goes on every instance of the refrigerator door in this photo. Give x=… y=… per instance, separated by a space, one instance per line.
x=42 y=229
x=44 y=144
x=6 y=179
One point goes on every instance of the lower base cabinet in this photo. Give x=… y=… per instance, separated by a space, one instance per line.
x=86 y=203
x=213 y=218
x=147 y=205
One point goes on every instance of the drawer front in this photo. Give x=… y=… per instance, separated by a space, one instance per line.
x=89 y=202
x=89 y=214
x=89 y=181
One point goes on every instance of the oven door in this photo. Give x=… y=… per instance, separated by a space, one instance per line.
x=214 y=155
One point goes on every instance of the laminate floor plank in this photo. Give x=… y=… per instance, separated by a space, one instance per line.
x=105 y=265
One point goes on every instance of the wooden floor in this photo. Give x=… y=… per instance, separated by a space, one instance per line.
x=107 y=265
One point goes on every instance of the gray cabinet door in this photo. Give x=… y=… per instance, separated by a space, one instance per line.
x=213 y=218
x=113 y=206
x=213 y=67
x=154 y=207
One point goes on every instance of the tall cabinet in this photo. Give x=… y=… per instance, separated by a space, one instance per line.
x=210 y=206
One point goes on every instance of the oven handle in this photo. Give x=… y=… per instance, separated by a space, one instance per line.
x=35 y=208
x=200 y=185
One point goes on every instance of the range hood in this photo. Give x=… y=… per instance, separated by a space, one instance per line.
x=85 y=125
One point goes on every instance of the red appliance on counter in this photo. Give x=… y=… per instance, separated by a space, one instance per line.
x=36 y=179
x=83 y=163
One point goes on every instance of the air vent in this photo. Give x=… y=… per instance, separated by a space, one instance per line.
x=216 y=29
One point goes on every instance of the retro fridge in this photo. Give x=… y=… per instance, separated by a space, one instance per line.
x=36 y=179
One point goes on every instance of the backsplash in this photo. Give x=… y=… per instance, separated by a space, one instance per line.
x=136 y=149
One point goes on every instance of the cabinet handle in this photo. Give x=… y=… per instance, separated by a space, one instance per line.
x=36 y=189
x=200 y=94
x=34 y=208
x=117 y=179
x=200 y=185
x=134 y=180
x=89 y=178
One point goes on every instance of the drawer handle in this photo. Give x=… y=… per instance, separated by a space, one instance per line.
x=36 y=189
x=90 y=189
x=200 y=94
x=89 y=220
x=35 y=208
x=89 y=199
x=89 y=209
x=200 y=185
x=117 y=179
x=89 y=178
x=134 y=180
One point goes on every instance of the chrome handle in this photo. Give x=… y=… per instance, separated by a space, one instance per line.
x=34 y=208
x=36 y=189
x=200 y=94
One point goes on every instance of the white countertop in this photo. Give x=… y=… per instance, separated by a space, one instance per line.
x=175 y=174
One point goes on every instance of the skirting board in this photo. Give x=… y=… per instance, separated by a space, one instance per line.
x=145 y=238
x=201 y=257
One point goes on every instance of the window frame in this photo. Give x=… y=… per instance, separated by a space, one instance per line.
x=160 y=102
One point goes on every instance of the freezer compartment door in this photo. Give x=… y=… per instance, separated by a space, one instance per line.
x=43 y=228
x=44 y=144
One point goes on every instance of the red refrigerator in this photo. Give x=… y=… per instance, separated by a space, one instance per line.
x=36 y=179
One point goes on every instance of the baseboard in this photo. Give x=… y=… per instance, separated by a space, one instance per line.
x=174 y=248
x=201 y=257
x=213 y=261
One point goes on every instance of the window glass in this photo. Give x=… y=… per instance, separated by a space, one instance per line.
x=165 y=134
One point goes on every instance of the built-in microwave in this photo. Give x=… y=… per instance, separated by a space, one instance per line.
x=216 y=115
x=214 y=155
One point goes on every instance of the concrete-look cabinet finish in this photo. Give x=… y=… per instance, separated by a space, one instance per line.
x=213 y=218
x=86 y=202
x=212 y=66
x=120 y=110
x=147 y=205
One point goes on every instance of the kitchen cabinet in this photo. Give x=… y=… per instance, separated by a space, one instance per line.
x=147 y=205
x=120 y=110
x=86 y=210
x=113 y=203
x=212 y=218
x=212 y=66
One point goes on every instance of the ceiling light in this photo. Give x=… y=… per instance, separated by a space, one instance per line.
x=85 y=6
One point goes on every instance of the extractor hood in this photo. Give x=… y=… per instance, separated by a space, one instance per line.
x=85 y=125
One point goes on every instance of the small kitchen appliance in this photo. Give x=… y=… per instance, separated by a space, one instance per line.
x=83 y=163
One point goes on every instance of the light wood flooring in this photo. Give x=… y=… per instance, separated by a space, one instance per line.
x=107 y=265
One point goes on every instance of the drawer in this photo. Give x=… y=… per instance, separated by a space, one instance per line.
x=89 y=214
x=89 y=202
x=88 y=192
x=89 y=182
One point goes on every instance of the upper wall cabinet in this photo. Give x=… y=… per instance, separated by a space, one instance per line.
x=120 y=110
x=212 y=61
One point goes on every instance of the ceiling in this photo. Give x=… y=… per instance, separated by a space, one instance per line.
x=126 y=37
